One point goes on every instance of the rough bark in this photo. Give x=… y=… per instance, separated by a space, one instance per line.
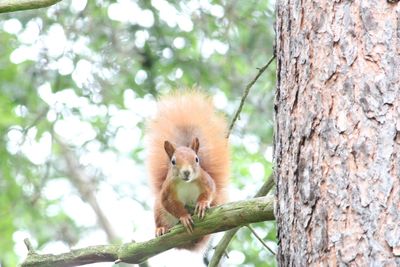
x=16 y=5
x=337 y=138
x=218 y=219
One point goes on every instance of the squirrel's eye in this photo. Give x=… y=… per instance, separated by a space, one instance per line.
x=197 y=159
x=173 y=161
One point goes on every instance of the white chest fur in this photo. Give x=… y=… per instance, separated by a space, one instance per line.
x=188 y=193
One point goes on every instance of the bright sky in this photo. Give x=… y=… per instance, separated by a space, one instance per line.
x=137 y=224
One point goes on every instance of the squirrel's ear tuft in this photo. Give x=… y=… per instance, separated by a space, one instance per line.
x=169 y=148
x=195 y=144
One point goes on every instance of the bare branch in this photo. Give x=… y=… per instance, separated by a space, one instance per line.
x=267 y=186
x=29 y=245
x=81 y=182
x=246 y=92
x=226 y=239
x=217 y=219
x=17 y=5
x=260 y=239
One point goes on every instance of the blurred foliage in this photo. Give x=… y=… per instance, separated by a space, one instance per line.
x=78 y=66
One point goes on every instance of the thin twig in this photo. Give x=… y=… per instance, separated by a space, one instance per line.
x=220 y=249
x=260 y=239
x=226 y=239
x=246 y=92
x=29 y=245
x=266 y=187
x=81 y=181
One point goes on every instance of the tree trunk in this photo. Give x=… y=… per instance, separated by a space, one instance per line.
x=337 y=138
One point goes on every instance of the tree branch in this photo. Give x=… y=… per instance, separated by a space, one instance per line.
x=261 y=241
x=226 y=239
x=218 y=219
x=86 y=190
x=246 y=92
x=17 y=5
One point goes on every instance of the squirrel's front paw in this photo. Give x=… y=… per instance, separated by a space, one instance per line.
x=187 y=222
x=201 y=208
x=161 y=231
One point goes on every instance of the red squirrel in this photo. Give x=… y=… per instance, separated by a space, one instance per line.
x=188 y=159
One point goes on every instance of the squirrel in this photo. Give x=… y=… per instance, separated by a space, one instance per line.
x=188 y=160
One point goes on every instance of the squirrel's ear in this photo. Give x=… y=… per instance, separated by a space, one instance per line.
x=169 y=148
x=195 y=144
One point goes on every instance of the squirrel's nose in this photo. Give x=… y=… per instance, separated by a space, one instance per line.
x=186 y=174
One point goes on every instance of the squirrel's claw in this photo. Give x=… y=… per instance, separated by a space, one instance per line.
x=161 y=231
x=187 y=222
x=201 y=208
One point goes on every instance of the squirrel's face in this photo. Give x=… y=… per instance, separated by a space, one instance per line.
x=184 y=162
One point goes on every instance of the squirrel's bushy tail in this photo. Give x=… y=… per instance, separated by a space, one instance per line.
x=180 y=117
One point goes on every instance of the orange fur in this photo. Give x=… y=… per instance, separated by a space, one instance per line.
x=181 y=117
x=193 y=111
